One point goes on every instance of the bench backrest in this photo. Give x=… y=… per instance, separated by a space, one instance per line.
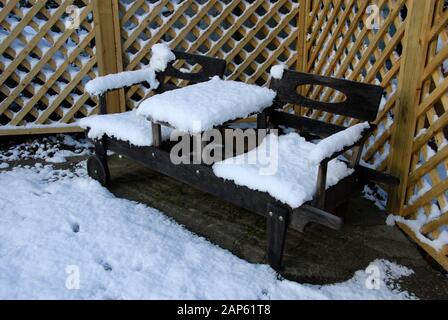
x=362 y=100
x=210 y=67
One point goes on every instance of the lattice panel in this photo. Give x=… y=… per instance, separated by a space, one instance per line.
x=44 y=64
x=251 y=35
x=339 y=44
x=427 y=196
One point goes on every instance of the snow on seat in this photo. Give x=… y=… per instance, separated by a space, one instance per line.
x=202 y=106
x=127 y=126
x=292 y=176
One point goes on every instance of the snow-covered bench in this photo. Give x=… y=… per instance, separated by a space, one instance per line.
x=310 y=178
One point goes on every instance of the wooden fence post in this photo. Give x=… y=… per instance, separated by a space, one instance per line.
x=108 y=47
x=409 y=92
x=303 y=31
x=302 y=58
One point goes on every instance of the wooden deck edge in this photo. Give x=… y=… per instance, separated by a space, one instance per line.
x=40 y=130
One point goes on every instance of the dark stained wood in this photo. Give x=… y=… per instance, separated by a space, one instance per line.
x=202 y=178
x=198 y=176
x=98 y=169
x=277 y=224
x=262 y=120
x=97 y=166
x=164 y=87
x=321 y=184
x=307 y=214
x=156 y=134
x=356 y=156
x=344 y=190
x=363 y=100
x=279 y=216
x=364 y=135
x=103 y=104
x=302 y=124
x=101 y=147
x=210 y=67
x=369 y=175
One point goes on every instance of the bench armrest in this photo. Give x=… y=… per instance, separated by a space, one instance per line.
x=331 y=148
x=339 y=143
x=101 y=85
x=160 y=58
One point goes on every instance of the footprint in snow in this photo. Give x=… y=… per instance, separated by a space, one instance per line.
x=75 y=227
x=106 y=266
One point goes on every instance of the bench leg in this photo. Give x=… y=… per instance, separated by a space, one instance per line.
x=156 y=134
x=262 y=120
x=319 y=201
x=277 y=225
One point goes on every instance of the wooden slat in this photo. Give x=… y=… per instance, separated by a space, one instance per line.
x=39 y=130
x=440 y=257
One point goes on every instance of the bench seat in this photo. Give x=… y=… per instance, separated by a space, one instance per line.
x=290 y=178
x=203 y=106
x=127 y=126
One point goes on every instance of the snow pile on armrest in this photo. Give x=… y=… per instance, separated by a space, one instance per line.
x=202 y=106
x=161 y=56
x=277 y=71
x=337 y=142
x=127 y=126
x=101 y=85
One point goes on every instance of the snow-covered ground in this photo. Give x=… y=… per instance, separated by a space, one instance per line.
x=64 y=236
x=53 y=149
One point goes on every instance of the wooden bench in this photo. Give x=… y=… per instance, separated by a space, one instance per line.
x=362 y=102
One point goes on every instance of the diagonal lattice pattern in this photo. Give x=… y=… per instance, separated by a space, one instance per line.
x=44 y=64
x=339 y=44
x=250 y=35
x=427 y=186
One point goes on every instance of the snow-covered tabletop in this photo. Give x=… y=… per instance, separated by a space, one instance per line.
x=289 y=175
x=202 y=106
x=127 y=126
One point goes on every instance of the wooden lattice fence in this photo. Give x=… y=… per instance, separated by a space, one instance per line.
x=338 y=44
x=426 y=186
x=406 y=51
x=251 y=36
x=45 y=60
x=45 y=63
